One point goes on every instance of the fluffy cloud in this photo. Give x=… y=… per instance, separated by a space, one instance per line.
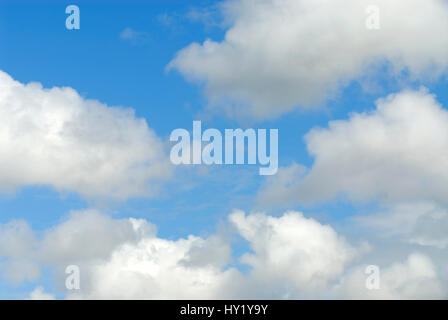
x=55 y=137
x=396 y=153
x=120 y=258
x=89 y=235
x=279 y=54
x=415 y=278
x=40 y=294
x=291 y=256
x=292 y=250
x=156 y=268
x=281 y=189
x=16 y=239
x=422 y=223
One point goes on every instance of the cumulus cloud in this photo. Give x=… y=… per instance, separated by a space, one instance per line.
x=292 y=250
x=54 y=137
x=396 y=153
x=280 y=189
x=123 y=258
x=415 y=278
x=40 y=294
x=422 y=223
x=290 y=256
x=395 y=156
x=281 y=54
x=156 y=268
x=293 y=256
x=89 y=235
x=15 y=271
x=16 y=239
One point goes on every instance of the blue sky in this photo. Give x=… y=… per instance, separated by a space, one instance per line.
x=35 y=46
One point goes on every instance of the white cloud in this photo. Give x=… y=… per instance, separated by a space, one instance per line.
x=420 y=223
x=156 y=268
x=280 y=54
x=293 y=250
x=89 y=235
x=40 y=294
x=133 y=36
x=395 y=156
x=280 y=189
x=57 y=138
x=291 y=256
x=415 y=278
x=16 y=239
x=431 y=230
x=15 y=271
x=396 y=153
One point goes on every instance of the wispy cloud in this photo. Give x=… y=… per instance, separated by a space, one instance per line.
x=133 y=36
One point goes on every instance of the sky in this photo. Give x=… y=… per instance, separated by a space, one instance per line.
x=359 y=98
